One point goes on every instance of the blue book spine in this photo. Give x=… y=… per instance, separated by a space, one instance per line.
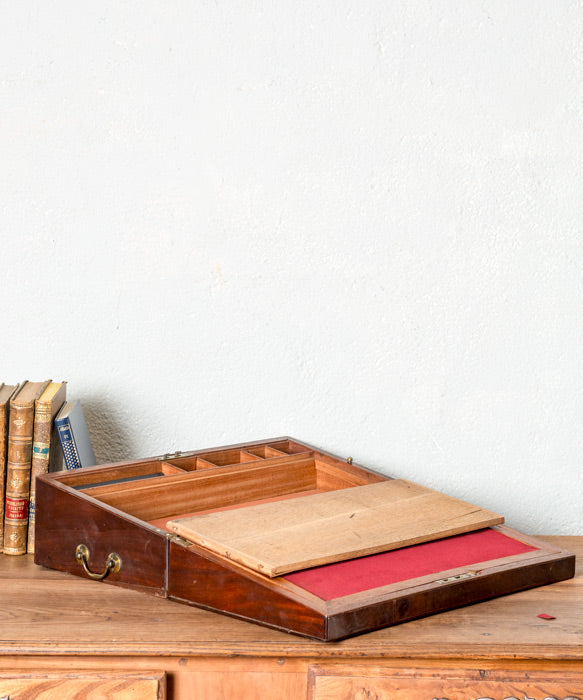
x=68 y=446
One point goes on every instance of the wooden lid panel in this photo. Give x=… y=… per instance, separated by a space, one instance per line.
x=278 y=538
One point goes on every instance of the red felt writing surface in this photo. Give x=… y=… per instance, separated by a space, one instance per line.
x=365 y=573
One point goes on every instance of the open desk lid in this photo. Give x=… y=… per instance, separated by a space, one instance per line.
x=285 y=536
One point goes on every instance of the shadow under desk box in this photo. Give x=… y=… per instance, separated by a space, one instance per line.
x=281 y=533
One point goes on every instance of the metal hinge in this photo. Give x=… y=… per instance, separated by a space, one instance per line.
x=179 y=540
x=458 y=577
x=173 y=455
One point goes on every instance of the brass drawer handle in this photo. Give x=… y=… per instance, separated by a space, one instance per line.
x=112 y=563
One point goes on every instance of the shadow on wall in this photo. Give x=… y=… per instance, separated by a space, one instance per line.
x=111 y=441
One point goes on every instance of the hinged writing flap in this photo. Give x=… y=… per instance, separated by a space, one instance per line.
x=277 y=538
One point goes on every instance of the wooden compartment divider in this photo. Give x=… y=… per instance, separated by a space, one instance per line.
x=90 y=476
x=331 y=477
x=201 y=490
x=290 y=447
x=265 y=452
x=223 y=459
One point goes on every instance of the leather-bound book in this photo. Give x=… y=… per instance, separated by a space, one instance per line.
x=43 y=444
x=20 y=433
x=6 y=393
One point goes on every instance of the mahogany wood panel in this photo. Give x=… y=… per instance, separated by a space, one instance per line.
x=74 y=477
x=194 y=577
x=412 y=604
x=65 y=520
x=211 y=488
x=93 y=475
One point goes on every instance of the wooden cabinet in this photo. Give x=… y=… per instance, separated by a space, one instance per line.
x=96 y=640
x=90 y=685
x=358 y=682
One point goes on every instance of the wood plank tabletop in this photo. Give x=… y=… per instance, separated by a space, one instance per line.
x=46 y=612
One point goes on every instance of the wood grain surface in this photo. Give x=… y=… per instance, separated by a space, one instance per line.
x=277 y=538
x=79 y=685
x=51 y=622
x=48 y=612
x=364 y=683
x=64 y=520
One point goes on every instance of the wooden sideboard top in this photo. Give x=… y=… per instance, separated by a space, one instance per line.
x=50 y=613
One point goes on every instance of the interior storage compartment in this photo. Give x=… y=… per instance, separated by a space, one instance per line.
x=265 y=452
x=212 y=488
x=288 y=446
x=213 y=460
x=240 y=484
x=224 y=459
x=116 y=475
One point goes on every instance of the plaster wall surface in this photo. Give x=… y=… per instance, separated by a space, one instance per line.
x=356 y=223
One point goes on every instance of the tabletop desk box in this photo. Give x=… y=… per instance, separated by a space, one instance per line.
x=111 y=522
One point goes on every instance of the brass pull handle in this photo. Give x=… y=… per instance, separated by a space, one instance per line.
x=112 y=563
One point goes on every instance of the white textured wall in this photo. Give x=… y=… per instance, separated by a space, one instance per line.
x=357 y=223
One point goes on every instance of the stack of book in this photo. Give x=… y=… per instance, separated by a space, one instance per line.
x=32 y=415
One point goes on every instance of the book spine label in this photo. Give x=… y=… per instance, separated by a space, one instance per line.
x=16 y=508
x=18 y=478
x=16 y=516
x=70 y=453
x=41 y=448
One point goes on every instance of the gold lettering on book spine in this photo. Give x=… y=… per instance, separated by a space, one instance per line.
x=42 y=417
x=19 y=452
x=21 y=422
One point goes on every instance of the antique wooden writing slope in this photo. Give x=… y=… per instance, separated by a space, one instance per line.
x=281 y=533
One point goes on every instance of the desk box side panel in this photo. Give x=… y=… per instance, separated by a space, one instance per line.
x=440 y=597
x=195 y=579
x=66 y=519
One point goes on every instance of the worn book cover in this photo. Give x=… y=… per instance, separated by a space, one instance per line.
x=20 y=434
x=46 y=408
x=6 y=393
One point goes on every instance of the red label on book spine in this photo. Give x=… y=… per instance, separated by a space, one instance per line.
x=16 y=508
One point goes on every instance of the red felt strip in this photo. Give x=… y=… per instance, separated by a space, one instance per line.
x=365 y=573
